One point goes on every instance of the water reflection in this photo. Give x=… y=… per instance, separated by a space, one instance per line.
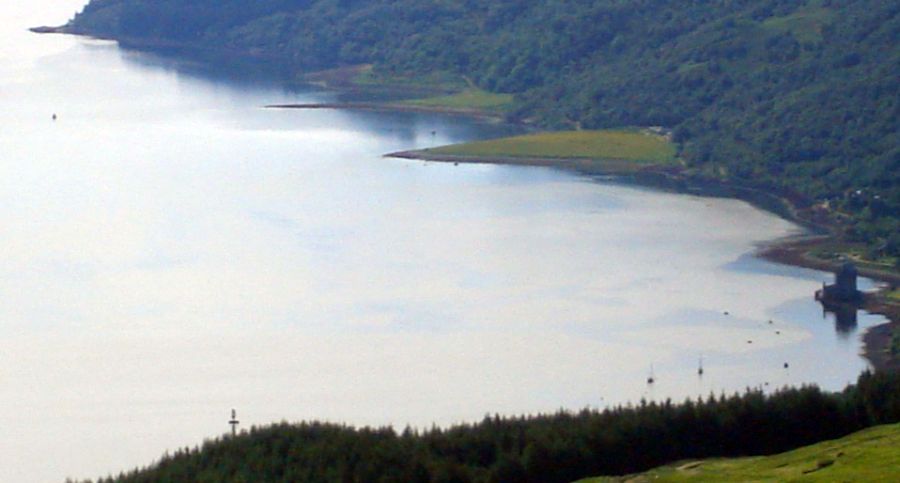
x=842 y=299
x=414 y=129
x=844 y=315
x=248 y=72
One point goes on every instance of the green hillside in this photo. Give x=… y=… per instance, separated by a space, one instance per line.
x=467 y=99
x=551 y=448
x=869 y=455
x=798 y=97
x=639 y=147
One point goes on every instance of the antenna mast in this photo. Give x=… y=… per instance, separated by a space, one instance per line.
x=234 y=422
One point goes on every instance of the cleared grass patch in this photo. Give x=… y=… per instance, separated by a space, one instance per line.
x=837 y=251
x=634 y=146
x=869 y=455
x=435 y=81
x=467 y=99
x=806 y=25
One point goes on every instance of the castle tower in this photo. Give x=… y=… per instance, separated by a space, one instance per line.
x=845 y=282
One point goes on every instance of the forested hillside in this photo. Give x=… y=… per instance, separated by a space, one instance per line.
x=798 y=96
x=546 y=449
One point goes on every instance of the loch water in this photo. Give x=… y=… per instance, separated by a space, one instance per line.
x=172 y=250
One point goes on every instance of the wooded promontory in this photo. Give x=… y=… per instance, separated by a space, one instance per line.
x=799 y=97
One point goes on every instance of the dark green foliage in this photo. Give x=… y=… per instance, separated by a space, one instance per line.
x=797 y=97
x=895 y=343
x=553 y=448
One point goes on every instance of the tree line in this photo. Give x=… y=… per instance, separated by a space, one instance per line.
x=560 y=447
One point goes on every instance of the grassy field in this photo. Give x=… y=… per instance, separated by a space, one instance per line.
x=858 y=253
x=436 y=81
x=468 y=99
x=894 y=295
x=869 y=455
x=806 y=25
x=437 y=90
x=632 y=146
x=364 y=78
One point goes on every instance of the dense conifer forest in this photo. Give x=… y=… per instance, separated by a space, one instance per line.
x=561 y=447
x=794 y=96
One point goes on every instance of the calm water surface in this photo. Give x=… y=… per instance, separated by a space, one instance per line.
x=171 y=250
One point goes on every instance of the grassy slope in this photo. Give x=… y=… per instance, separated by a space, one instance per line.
x=837 y=251
x=869 y=455
x=805 y=25
x=435 y=82
x=614 y=144
x=439 y=90
x=468 y=99
x=454 y=92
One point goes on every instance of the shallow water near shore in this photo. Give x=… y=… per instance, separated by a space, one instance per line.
x=172 y=251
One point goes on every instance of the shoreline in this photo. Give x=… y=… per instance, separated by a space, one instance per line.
x=876 y=340
x=671 y=178
x=792 y=251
